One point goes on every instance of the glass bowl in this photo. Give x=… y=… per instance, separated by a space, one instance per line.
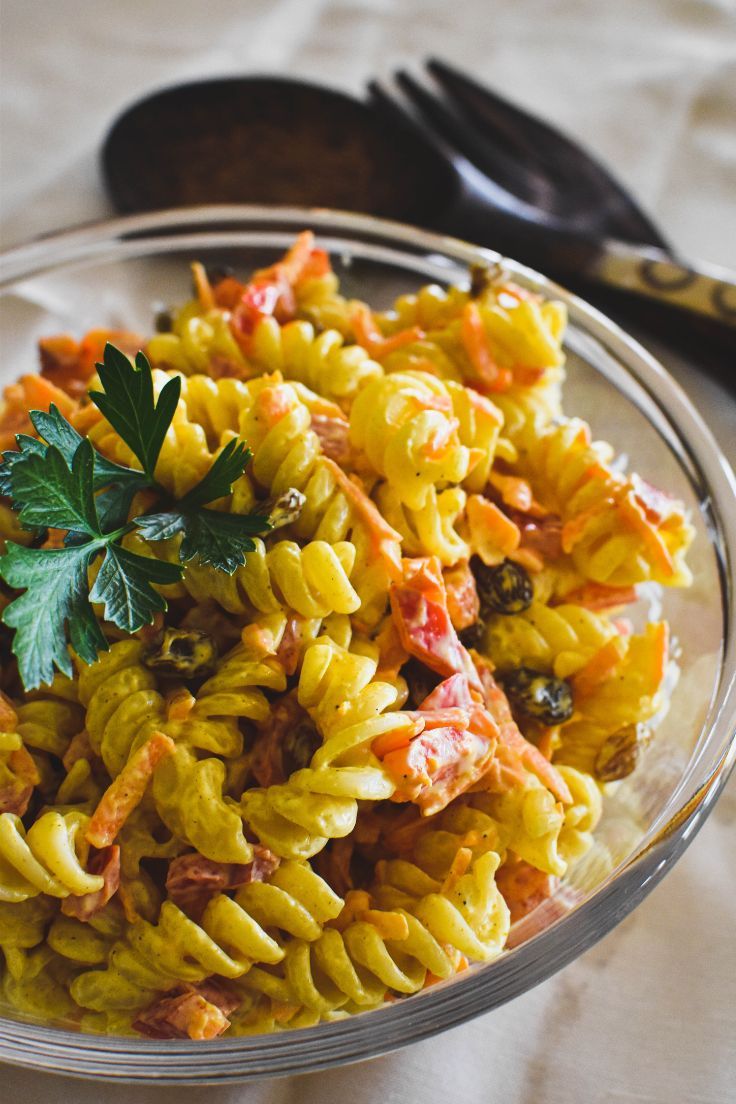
x=118 y=274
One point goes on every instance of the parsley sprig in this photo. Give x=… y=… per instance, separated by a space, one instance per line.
x=60 y=481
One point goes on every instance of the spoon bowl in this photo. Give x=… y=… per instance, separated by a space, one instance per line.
x=270 y=140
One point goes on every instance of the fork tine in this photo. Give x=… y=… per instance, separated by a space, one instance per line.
x=478 y=147
x=401 y=114
x=543 y=145
x=490 y=109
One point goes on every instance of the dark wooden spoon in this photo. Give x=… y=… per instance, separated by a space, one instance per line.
x=276 y=141
x=271 y=140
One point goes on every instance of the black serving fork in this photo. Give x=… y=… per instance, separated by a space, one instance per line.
x=526 y=189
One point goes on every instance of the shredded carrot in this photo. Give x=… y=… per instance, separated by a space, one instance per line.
x=436 y=446
x=599 y=596
x=296 y=259
x=515 y=492
x=526 y=376
x=385 y=540
x=283 y=1012
x=574 y=530
x=92 y=347
x=85 y=418
x=399 y=737
x=126 y=791
x=460 y=864
x=491 y=526
x=79 y=748
x=633 y=515
x=528 y=558
x=546 y=742
x=389 y=925
x=8 y=716
x=599 y=667
x=179 y=704
x=430 y=401
x=659 y=636
x=54 y=538
x=370 y=337
x=274 y=403
x=475 y=343
x=125 y=897
x=202 y=286
x=357 y=902
x=228 y=292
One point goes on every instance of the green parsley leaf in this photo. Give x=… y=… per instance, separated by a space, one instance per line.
x=218 y=539
x=129 y=406
x=62 y=482
x=27 y=446
x=123 y=585
x=228 y=466
x=54 y=608
x=56 y=430
x=55 y=495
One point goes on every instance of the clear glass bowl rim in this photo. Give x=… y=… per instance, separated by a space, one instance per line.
x=256 y=1057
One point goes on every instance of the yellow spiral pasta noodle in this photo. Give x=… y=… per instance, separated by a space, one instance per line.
x=633 y=693
x=11 y=529
x=608 y=533
x=48 y=718
x=231 y=935
x=396 y=949
x=318 y=803
x=198 y=342
x=432 y=530
x=458 y=826
x=560 y=639
x=124 y=707
x=319 y=301
x=405 y=426
x=48 y=858
x=321 y=361
x=479 y=426
x=313 y=580
x=431 y=308
x=532 y=821
x=582 y=816
x=87 y=943
x=36 y=983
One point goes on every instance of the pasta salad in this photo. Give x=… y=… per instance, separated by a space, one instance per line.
x=314 y=658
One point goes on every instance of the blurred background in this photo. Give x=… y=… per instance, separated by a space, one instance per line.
x=648 y=85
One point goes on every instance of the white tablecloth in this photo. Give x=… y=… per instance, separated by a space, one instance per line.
x=648 y=1015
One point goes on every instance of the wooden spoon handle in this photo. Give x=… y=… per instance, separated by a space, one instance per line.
x=695 y=286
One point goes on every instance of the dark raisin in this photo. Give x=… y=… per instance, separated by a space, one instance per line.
x=535 y=694
x=505 y=588
x=300 y=744
x=472 y=637
x=620 y=752
x=420 y=680
x=164 y=322
x=483 y=276
x=184 y=652
x=284 y=509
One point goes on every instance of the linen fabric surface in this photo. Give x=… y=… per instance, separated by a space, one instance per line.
x=649 y=1014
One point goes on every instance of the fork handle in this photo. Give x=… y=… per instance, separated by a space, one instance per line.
x=702 y=288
